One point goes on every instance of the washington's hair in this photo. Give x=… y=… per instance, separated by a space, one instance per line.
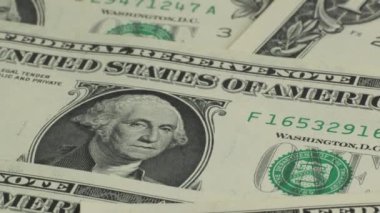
x=102 y=117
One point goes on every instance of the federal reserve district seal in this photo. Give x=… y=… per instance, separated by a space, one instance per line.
x=143 y=30
x=310 y=172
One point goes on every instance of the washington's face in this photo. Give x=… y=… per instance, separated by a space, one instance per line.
x=5 y=7
x=6 y=12
x=145 y=132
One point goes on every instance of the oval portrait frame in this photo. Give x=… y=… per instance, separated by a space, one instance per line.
x=38 y=16
x=205 y=120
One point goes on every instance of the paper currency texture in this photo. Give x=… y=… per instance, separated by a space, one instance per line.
x=337 y=32
x=187 y=119
x=212 y=23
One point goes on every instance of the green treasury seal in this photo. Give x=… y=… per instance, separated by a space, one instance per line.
x=143 y=30
x=310 y=172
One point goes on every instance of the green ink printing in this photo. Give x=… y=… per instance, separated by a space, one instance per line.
x=330 y=127
x=142 y=30
x=310 y=172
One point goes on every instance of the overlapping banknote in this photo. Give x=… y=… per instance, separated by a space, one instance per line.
x=310 y=204
x=37 y=188
x=213 y=23
x=345 y=33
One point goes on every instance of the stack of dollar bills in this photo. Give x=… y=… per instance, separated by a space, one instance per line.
x=189 y=106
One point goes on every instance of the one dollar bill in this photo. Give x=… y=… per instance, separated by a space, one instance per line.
x=188 y=119
x=215 y=23
x=331 y=31
x=37 y=188
x=315 y=204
